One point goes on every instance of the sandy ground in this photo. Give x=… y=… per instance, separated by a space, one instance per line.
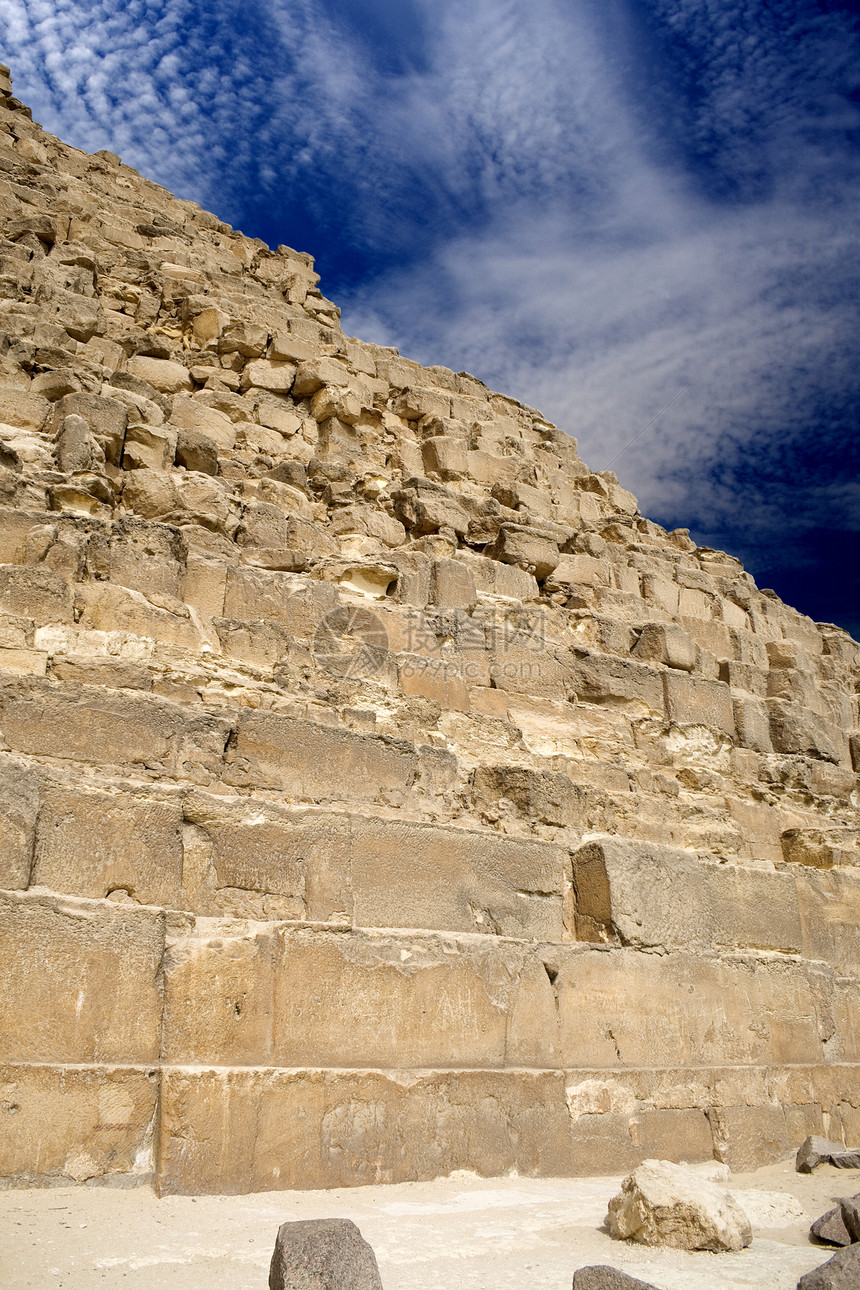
x=459 y=1233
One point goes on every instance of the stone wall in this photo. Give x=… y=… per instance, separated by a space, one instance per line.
x=382 y=794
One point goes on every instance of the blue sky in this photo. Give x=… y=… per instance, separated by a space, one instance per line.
x=591 y=204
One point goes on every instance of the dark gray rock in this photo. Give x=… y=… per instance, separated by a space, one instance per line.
x=323 y=1254
x=842 y=1272
x=850 y=1208
x=606 y=1278
x=830 y=1228
x=815 y=1151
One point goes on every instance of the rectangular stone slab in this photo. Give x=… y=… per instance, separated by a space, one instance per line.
x=660 y=896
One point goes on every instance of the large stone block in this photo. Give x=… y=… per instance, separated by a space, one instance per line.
x=256 y=861
x=40 y=594
x=94 y=843
x=457 y=880
x=317 y=762
x=658 y=896
x=79 y=980
x=84 y=723
x=691 y=701
x=20 y=800
x=623 y=1008
x=829 y=902
x=600 y=678
x=76 y=1124
x=240 y=1131
x=796 y=730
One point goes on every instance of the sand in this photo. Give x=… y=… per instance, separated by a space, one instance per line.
x=459 y=1233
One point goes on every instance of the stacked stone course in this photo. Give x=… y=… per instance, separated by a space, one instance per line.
x=382 y=794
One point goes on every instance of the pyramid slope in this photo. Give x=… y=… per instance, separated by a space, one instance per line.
x=383 y=795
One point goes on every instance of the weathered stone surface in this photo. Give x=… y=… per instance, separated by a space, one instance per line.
x=606 y=1278
x=816 y=1151
x=650 y=896
x=79 y=979
x=665 y=1204
x=323 y=1254
x=842 y=1272
x=831 y=1229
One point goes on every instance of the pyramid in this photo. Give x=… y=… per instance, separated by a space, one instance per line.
x=383 y=794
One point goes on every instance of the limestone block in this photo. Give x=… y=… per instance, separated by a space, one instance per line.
x=23 y=410
x=333 y=403
x=238 y=336
x=665 y=1204
x=650 y=896
x=161 y=373
x=666 y=643
x=317 y=762
x=265 y=864
x=267 y=374
x=821 y=848
x=40 y=594
x=459 y=881
x=527 y=548
x=323 y=1254
x=627 y=1009
x=200 y=418
x=445 y=456
x=348 y=520
x=281 y=598
x=453 y=586
x=99 y=844
x=113 y=673
x=744 y=676
x=579 y=570
x=426 y=507
x=796 y=730
x=78 y=979
x=92 y=726
x=104 y=607
x=270 y=1129
x=415 y=402
x=288 y=346
x=661 y=592
x=602 y=679
x=752 y=725
x=54 y=384
x=545 y=797
x=107 y=418
x=218 y=995
x=76 y=1124
x=349 y=999
x=20 y=799
x=434 y=679
x=694 y=702
x=204 y=585
x=829 y=902
x=149 y=448
x=314 y=373
x=501 y=581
